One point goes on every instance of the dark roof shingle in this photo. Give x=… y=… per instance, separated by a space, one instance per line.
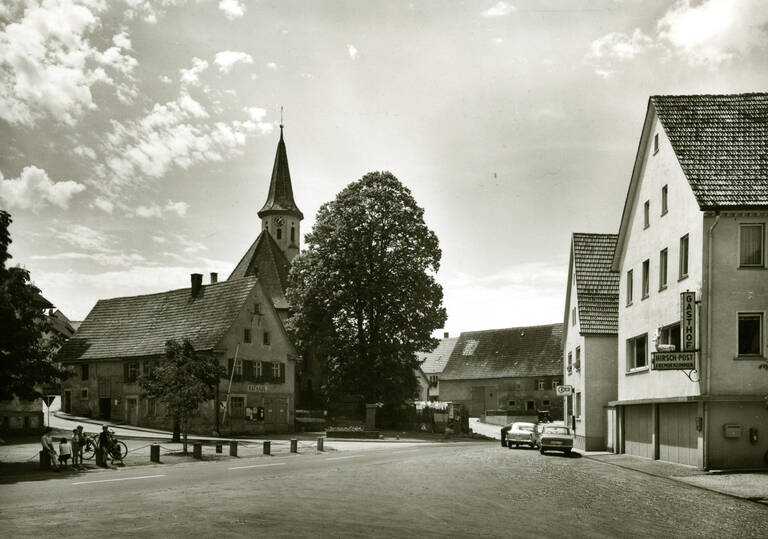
x=266 y=260
x=505 y=353
x=597 y=287
x=721 y=142
x=280 y=197
x=434 y=361
x=137 y=326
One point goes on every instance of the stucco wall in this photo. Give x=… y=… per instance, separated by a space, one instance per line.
x=519 y=390
x=599 y=368
x=661 y=308
x=737 y=452
x=573 y=340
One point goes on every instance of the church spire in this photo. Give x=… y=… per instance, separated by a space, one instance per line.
x=280 y=197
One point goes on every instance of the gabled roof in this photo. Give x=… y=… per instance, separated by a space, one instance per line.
x=721 y=142
x=266 y=260
x=280 y=197
x=434 y=361
x=597 y=287
x=138 y=326
x=507 y=353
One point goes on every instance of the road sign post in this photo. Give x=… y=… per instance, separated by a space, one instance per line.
x=564 y=391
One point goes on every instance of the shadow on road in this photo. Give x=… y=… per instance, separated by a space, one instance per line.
x=22 y=472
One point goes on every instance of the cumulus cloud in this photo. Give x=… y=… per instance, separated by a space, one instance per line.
x=155 y=210
x=148 y=10
x=499 y=9
x=271 y=65
x=179 y=208
x=226 y=60
x=103 y=259
x=232 y=9
x=48 y=64
x=84 y=151
x=83 y=237
x=165 y=79
x=149 y=211
x=191 y=76
x=103 y=204
x=352 y=51
x=33 y=189
x=616 y=47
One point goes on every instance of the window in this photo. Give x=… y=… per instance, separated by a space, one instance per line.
x=293 y=235
x=655 y=143
x=684 y=257
x=237 y=406
x=646 y=269
x=664 y=207
x=751 y=242
x=629 y=288
x=670 y=335
x=246 y=335
x=512 y=404
x=130 y=372
x=433 y=380
x=663 y=269
x=259 y=371
x=637 y=353
x=84 y=393
x=84 y=372
x=647 y=214
x=750 y=334
x=555 y=383
x=149 y=367
x=573 y=316
x=278 y=372
x=570 y=362
x=530 y=405
x=266 y=338
x=540 y=385
x=577 y=403
x=257 y=308
x=545 y=403
x=151 y=407
x=279 y=233
x=237 y=366
x=577 y=363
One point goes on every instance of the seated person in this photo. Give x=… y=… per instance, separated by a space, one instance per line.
x=65 y=452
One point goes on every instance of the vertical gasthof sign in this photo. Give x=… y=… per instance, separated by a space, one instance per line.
x=688 y=321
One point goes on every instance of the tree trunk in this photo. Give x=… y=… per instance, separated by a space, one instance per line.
x=176 y=430
x=185 y=424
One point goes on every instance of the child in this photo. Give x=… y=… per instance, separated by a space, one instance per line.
x=65 y=451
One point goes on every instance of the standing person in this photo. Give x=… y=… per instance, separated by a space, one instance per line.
x=65 y=451
x=105 y=443
x=77 y=448
x=47 y=442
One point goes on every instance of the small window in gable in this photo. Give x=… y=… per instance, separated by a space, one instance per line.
x=647 y=214
x=573 y=316
x=655 y=143
x=246 y=335
x=664 y=201
x=266 y=340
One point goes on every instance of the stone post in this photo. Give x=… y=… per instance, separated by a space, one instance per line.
x=370 y=416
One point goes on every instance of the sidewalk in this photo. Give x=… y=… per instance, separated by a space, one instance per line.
x=749 y=486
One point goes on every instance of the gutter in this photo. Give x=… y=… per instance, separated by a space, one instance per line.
x=709 y=301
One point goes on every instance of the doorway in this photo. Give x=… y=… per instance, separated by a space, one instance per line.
x=67 y=402
x=105 y=408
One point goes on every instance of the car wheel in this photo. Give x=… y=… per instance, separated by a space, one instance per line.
x=567 y=452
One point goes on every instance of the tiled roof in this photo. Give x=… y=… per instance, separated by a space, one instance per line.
x=139 y=326
x=721 y=142
x=266 y=260
x=280 y=197
x=434 y=361
x=597 y=287
x=505 y=353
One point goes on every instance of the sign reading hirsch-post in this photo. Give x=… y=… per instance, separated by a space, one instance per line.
x=667 y=361
x=564 y=390
x=688 y=321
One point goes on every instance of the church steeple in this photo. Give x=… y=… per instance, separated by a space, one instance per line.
x=280 y=216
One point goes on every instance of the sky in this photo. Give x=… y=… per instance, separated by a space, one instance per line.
x=137 y=137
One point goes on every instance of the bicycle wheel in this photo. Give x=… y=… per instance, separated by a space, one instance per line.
x=119 y=450
x=89 y=450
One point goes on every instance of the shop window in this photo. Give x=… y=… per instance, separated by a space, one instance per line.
x=751 y=245
x=637 y=352
x=750 y=334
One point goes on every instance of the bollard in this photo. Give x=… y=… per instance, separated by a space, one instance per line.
x=320 y=443
x=294 y=446
x=100 y=458
x=154 y=453
x=233 y=448
x=218 y=447
x=45 y=461
x=267 y=447
x=197 y=450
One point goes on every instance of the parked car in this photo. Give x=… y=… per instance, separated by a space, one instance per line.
x=554 y=438
x=521 y=433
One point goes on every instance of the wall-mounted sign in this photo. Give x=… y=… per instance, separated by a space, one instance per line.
x=562 y=391
x=670 y=361
x=257 y=388
x=688 y=321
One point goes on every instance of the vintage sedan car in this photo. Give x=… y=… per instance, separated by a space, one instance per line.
x=555 y=438
x=520 y=433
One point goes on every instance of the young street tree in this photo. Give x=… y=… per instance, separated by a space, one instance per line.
x=183 y=381
x=27 y=338
x=363 y=293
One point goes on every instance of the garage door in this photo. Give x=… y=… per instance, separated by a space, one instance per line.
x=638 y=430
x=678 y=438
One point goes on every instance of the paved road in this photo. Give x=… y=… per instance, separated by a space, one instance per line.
x=431 y=490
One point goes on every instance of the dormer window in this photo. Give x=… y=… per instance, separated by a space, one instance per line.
x=655 y=143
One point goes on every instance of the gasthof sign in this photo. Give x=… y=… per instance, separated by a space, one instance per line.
x=688 y=321
x=668 y=361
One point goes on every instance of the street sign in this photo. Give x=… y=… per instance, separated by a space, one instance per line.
x=562 y=391
x=48 y=399
x=670 y=361
x=688 y=321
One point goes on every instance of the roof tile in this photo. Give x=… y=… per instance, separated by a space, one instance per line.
x=597 y=287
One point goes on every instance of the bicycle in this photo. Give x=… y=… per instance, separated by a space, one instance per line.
x=118 y=451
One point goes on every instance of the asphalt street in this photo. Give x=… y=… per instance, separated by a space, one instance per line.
x=459 y=489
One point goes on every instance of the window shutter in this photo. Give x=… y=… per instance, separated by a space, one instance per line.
x=282 y=373
x=267 y=370
x=231 y=367
x=125 y=372
x=248 y=370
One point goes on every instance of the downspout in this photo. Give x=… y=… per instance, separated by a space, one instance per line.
x=709 y=300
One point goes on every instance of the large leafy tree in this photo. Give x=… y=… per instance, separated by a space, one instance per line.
x=364 y=294
x=182 y=381
x=27 y=338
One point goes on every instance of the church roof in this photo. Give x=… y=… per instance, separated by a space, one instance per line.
x=280 y=197
x=266 y=260
x=139 y=326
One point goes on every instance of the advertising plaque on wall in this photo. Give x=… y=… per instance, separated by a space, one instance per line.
x=670 y=361
x=688 y=321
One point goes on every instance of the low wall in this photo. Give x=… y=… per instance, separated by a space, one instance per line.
x=506 y=419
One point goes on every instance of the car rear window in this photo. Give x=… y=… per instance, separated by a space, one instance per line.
x=526 y=428
x=556 y=430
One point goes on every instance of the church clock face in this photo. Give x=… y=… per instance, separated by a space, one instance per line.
x=279 y=221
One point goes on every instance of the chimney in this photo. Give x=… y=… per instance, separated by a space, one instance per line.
x=214 y=277
x=197 y=284
x=445 y=335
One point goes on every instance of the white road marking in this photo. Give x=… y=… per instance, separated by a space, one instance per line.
x=119 y=479
x=408 y=451
x=348 y=457
x=256 y=466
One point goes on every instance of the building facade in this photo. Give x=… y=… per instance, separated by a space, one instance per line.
x=590 y=326
x=694 y=222
x=513 y=371
x=433 y=363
